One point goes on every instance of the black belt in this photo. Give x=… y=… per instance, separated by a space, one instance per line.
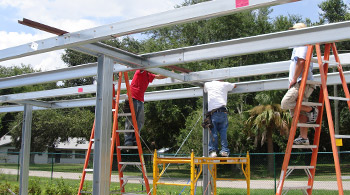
x=221 y=109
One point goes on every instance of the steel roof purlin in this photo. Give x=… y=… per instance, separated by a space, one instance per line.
x=191 y=13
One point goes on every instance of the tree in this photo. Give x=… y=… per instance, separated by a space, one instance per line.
x=7 y=118
x=264 y=120
x=333 y=11
x=52 y=126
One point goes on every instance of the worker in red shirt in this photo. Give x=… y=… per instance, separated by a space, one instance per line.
x=138 y=87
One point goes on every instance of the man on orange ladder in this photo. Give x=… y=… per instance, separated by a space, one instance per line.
x=138 y=87
x=308 y=114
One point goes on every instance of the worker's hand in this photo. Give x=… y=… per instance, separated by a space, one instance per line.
x=159 y=76
x=292 y=83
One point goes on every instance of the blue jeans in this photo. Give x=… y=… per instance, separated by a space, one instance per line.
x=220 y=125
x=130 y=138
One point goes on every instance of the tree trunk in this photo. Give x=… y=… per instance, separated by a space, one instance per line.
x=270 y=159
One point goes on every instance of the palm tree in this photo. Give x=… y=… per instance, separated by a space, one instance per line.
x=265 y=119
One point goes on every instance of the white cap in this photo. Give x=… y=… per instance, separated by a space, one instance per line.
x=298 y=26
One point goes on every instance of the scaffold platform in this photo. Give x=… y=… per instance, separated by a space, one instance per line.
x=196 y=172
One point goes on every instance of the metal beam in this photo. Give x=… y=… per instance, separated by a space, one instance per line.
x=224 y=73
x=25 y=149
x=261 y=43
x=94 y=49
x=336 y=31
x=36 y=103
x=49 y=76
x=80 y=90
x=103 y=125
x=167 y=73
x=205 y=145
x=242 y=87
x=191 y=13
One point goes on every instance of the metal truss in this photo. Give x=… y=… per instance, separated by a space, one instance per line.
x=112 y=59
x=186 y=14
x=194 y=92
x=89 y=70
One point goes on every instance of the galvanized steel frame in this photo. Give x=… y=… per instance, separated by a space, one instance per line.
x=84 y=41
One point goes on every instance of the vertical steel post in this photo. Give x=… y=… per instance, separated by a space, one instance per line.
x=336 y=111
x=25 y=149
x=103 y=125
x=205 y=147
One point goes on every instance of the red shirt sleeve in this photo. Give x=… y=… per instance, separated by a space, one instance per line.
x=151 y=77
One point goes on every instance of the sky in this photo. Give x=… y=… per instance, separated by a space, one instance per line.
x=75 y=15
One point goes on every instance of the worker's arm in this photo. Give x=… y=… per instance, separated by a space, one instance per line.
x=159 y=76
x=298 y=69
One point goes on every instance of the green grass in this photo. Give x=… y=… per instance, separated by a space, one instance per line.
x=72 y=185
x=324 y=172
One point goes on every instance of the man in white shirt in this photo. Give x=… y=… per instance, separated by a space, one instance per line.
x=217 y=100
x=308 y=114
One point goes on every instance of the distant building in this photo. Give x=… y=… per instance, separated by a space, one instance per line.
x=71 y=151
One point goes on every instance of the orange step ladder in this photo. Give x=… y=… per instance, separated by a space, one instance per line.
x=323 y=102
x=115 y=144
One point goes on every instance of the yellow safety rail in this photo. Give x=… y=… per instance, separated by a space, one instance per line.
x=200 y=161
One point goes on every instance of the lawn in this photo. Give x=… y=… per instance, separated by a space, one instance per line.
x=325 y=172
x=46 y=185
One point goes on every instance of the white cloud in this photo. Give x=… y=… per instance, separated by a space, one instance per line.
x=70 y=16
x=46 y=61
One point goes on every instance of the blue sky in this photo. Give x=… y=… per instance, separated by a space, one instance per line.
x=304 y=8
x=82 y=14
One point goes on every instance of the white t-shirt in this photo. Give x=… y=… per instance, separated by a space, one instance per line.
x=217 y=93
x=299 y=52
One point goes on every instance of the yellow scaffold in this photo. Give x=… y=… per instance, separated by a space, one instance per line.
x=200 y=161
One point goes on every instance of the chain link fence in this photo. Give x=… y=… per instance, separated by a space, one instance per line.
x=265 y=170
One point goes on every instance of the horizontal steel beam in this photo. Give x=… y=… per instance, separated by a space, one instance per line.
x=89 y=70
x=36 y=103
x=86 y=70
x=262 y=43
x=70 y=91
x=191 y=13
x=242 y=87
x=334 y=32
x=167 y=73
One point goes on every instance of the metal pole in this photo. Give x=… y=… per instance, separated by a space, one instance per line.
x=52 y=166
x=205 y=147
x=103 y=125
x=25 y=149
x=274 y=171
x=336 y=111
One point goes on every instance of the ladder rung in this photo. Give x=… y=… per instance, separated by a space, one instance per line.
x=304 y=146
x=314 y=60
x=89 y=170
x=133 y=193
x=310 y=82
x=124 y=114
x=85 y=192
x=126 y=131
x=297 y=188
x=311 y=104
x=301 y=167
x=346 y=177
x=342 y=136
x=307 y=125
x=132 y=178
x=130 y=163
x=338 y=98
x=127 y=147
